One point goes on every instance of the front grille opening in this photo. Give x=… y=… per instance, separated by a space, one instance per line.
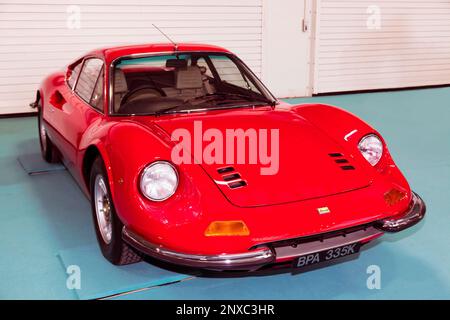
x=347 y=167
x=233 y=176
x=237 y=184
x=225 y=170
x=317 y=237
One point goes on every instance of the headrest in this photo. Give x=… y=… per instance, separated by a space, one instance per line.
x=120 y=82
x=189 y=78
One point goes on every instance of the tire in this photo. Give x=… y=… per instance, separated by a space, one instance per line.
x=109 y=238
x=48 y=150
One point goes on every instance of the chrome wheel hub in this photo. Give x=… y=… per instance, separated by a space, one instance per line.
x=103 y=209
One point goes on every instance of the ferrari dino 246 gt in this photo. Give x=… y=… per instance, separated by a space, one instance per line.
x=118 y=116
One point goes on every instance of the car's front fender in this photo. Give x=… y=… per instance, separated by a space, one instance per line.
x=127 y=147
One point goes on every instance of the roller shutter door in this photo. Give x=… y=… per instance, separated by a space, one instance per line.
x=378 y=44
x=38 y=37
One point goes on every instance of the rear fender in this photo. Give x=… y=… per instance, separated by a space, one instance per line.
x=48 y=85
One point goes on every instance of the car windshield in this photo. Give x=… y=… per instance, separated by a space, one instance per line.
x=184 y=82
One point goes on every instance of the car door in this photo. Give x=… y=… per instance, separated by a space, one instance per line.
x=84 y=107
x=57 y=104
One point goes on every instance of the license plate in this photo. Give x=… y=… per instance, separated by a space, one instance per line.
x=327 y=255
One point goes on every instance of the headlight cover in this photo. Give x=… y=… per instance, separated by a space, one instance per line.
x=159 y=181
x=371 y=148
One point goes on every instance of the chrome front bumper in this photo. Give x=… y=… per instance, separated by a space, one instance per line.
x=285 y=250
x=241 y=261
x=413 y=215
x=251 y=260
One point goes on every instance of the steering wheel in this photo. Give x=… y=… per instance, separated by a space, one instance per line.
x=145 y=89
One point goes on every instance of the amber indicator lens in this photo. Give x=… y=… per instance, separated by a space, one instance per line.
x=394 y=196
x=227 y=228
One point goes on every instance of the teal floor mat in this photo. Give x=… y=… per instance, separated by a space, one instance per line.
x=46 y=223
x=34 y=164
x=99 y=278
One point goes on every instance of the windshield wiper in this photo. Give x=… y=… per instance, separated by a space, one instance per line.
x=236 y=106
x=250 y=98
x=169 y=109
x=211 y=96
x=232 y=95
x=185 y=103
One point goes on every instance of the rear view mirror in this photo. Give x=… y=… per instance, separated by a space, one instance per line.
x=176 y=63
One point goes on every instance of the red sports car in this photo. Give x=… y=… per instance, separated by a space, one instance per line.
x=188 y=158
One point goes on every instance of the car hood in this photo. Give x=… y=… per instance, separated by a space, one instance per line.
x=310 y=163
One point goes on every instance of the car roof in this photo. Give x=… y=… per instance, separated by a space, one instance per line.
x=112 y=53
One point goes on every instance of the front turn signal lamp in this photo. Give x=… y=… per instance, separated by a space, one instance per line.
x=394 y=196
x=227 y=228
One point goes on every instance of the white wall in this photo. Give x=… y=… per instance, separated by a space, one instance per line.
x=286 y=47
x=338 y=52
x=380 y=44
x=38 y=37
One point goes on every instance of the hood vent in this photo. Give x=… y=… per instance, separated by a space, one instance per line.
x=335 y=155
x=237 y=184
x=232 y=177
x=343 y=163
x=225 y=170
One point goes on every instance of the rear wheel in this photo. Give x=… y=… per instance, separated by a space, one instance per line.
x=108 y=226
x=48 y=150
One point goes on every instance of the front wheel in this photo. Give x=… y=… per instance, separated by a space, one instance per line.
x=108 y=226
x=48 y=150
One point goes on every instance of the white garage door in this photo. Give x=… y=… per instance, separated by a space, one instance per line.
x=377 y=44
x=37 y=37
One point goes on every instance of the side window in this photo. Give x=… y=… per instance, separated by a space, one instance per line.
x=97 y=96
x=88 y=78
x=74 y=75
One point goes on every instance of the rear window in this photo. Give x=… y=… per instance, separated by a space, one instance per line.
x=97 y=96
x=74 y=75
x=88 y=78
